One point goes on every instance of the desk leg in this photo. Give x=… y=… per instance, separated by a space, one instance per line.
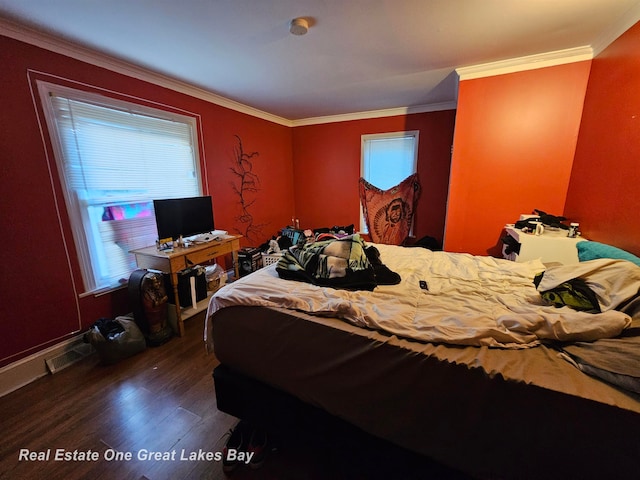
x=176 y=297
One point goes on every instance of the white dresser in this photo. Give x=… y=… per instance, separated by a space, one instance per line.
x=551 y=246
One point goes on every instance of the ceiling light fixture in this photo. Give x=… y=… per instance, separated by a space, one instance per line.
x=299 y=26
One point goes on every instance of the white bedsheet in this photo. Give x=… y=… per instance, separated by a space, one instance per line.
x=471 y=300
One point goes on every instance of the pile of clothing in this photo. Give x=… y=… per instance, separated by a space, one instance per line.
x=344 y=262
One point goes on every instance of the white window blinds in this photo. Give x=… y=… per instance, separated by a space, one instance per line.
x=387 y=159
x=114 y=158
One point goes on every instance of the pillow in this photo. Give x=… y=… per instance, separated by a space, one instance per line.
x=593 y=250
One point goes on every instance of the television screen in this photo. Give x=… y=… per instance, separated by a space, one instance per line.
x=183 y=216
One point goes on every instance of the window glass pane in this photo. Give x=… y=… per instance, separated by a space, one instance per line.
x=114 y=158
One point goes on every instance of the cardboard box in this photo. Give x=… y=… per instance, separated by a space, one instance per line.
x=249 y=260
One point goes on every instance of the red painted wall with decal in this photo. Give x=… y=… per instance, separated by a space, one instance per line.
x=605 y=183
x=513 y=151
x=41 y=280
x=327 y=169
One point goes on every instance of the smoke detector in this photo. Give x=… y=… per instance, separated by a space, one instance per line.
x=299 y=26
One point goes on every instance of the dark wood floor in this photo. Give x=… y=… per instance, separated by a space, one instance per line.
x=162 y=400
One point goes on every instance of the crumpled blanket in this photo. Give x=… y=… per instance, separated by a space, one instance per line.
x=614 y=282
x=338 y=262
x=468 y=300
x=616 y=285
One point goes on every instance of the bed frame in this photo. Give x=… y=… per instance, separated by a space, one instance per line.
x=296 y=425
x=519 y=431
x=504 y=430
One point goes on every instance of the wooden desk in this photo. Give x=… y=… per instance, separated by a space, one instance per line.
x=181 y=258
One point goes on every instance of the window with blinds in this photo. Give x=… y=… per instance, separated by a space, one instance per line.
x=114 y=158
x=387 y=159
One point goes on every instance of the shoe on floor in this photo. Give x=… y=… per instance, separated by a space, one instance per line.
x=238 y=440
x=258 y=446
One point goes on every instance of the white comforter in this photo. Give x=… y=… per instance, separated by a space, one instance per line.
x=471 y=300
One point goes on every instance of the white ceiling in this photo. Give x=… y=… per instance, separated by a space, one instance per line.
x=358 y=56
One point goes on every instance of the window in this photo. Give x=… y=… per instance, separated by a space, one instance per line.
x=114 y=158
x=387 y=159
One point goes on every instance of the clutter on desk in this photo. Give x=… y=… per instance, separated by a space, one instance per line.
x=574 y=230
x=537 y=222
x=165 y=245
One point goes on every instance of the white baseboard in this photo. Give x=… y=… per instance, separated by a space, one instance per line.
x=26 y=370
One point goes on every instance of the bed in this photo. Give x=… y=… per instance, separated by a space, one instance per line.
x=463 y=361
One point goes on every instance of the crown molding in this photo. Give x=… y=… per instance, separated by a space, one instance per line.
x=390 y=112
x=70 y=49
x=64 y=47
x=530 y=62
x=628 y=20
x=48 y=42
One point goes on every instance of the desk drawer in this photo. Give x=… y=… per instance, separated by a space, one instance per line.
x=207 y=254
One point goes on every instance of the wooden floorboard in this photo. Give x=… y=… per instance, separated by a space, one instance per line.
x=163 y=400
x=160 y=400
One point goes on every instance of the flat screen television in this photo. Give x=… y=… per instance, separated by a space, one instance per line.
x=183 y=216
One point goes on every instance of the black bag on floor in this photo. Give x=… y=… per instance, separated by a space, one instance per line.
x=115 y=340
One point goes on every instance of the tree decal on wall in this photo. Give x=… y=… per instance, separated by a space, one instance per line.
x=246 y=187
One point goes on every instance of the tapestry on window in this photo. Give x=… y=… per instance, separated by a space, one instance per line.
x=389 y=213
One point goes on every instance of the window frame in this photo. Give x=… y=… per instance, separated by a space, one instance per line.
x=77 y=210
x=365 y=138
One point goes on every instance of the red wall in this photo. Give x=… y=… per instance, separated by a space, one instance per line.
x=327 y=169
x=605 y=183
x=41 y=282
x=514 y=144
